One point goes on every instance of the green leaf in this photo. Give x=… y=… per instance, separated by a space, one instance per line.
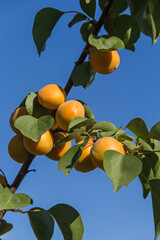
x=145 y=186
x=128 y=143
x=155 y=193
x=147 y=15
x=83 y=74
x=106 y=42
x=105 y=127
x=117 y=7
x=32 y=127
x=68 y=220
x=80 y=122
x=89 y=7
x=44 y=23
x=125 y=27
x=33 y=107
x=155 y=131
x=124 y=137
x=138 y=127
x=42 y=223
x=13 y=201
x=121 y=169
x=86 y=30
x=88 y=111
x=5 y=227
x=68 y=160
x=106 y=134
x=77 y=18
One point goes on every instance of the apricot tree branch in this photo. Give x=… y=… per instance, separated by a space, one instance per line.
x=24 y=169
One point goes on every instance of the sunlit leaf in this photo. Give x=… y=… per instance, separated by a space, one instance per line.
x=138 y=127
x=155 y=131
x=80 y=122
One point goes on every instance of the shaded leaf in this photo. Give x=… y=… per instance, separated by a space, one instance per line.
x=145 y=186
x=89 y=7
x=106 y=42
x=155 y=193
x=77 y=18
x=80 y=122
x=117 y=7
x=5 y=227
x=138 y=127
x=121 y=169
x=70 y=137
x=86 y=30
x=32 y=127
x=155 y=131
x=83 y=74
x=68 y=220
x=42 y=223
x=106 y=134
x=13 y=201
x=68 y=160
x=44 y=23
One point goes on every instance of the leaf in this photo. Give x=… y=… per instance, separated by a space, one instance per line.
x=32 y=127
x=77 y=18
x=125 y=27
x=121 y=169
x=89 y=7
x=44 y=23
x=147 y=15
x=138 y=127
x=68 y=160
x=68 y=220
x=85 y=30
x=70 y=137
x=105 y=127
x=155 y=193
x=106 y=42
x=88 y=111
x=5 y=227
x=13 y=201
x=83 y=74
x=42 y=223
x=117 y=7
x=145 y=186
x=33 y=107
x=155 y=131
x=80 y=122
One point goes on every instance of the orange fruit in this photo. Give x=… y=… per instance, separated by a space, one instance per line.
x=67 y=111
x=84 y=163
x=57 y=152
x=51 y=96
x=16 y=149
x=42 y=147
x=104 y=62
x=102 y=145
x=20 y=111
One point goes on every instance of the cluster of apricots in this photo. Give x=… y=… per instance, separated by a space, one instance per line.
x=53 y=97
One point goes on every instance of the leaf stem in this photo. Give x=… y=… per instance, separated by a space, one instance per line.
x=79 y=13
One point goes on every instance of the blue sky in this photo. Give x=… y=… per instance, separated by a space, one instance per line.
x=131 y=91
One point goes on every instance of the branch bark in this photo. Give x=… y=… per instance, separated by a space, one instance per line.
x=25 y=167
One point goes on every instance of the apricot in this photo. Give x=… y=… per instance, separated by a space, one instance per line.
x=17 y=113
x=51 y=96
x=57 y=152
x=67 y=111
x=84 y=163
x=102 y=145
x=42 y=147
x=16 y=149
x=104 y=62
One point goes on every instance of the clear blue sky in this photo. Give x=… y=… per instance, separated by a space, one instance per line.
x=131 y=91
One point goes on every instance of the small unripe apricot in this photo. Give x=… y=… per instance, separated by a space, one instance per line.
x=67 y=111
x=102 y=145
x=16 y=149
x=84 y=163
x=42 y=147
x=104 y=62
x=51 y=96
x=17 y=113
x=57 y=152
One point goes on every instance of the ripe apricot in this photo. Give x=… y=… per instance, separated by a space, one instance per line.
x=16 y=149
x=104 y=62
x=51 y=96
x=67 y=111
x=42 y=147
x=17 y=113
x=84 y=163
x=102 y=145
x=57 y=152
